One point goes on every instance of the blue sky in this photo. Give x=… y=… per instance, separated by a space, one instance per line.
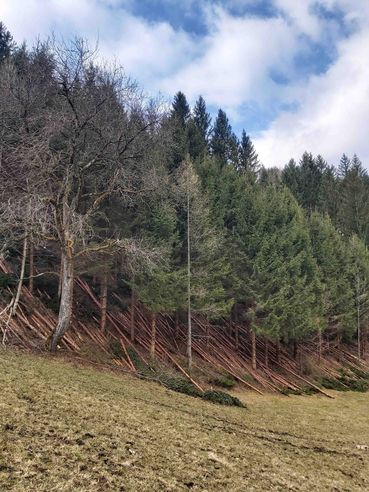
x=293 y=73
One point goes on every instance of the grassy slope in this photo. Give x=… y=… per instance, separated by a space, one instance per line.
x=66 y=428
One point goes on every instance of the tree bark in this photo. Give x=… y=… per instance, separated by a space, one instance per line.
x=133 y=315
x=236 y=337
x=21 y=277
x=267 y=352
x=253 y=349
x=176 y=325
x=365 y=341
x=60 y=276
x=31 y=265
x=320 y=344
x=153 y=335
x=295 y=349
x=104 y=300
x=358 y=328
x=278 y=351
x=66 y=301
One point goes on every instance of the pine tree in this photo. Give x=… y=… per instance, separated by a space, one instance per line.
x=224 y=143
x=199 y=130
x=332 y=256
x=291 y=178
x=330 y=194
x=202 y=118
x=179 y=121
x=344 y=166
x=248 y=158
x=354 y=194
x=359 y=256
x=180 y=109
x=7 y=43
x=284 y=280
x=305 y=180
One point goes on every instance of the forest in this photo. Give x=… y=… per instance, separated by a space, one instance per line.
x=162 y=208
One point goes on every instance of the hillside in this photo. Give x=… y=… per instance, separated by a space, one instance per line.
x=68 y=428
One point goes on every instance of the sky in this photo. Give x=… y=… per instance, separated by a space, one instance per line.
x=293 y=73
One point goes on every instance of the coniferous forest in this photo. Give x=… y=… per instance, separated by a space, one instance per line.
x=162 y=210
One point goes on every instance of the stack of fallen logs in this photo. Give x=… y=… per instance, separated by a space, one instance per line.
x=224 y=349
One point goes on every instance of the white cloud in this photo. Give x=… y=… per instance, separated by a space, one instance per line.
x=235 y=60
x=332 y=116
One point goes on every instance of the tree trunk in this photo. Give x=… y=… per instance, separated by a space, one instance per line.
x=295 y=349
x=21 y=277
x=153 y=335
x=207 y=337
x=31 y=265
x=176 y=325
x=60 y=285
x=278 y=351
x=253 y=349
x=365 y=341
x=66 y=301
x=133 y=314
x=104 y=300
x=320 y=344
x=236 y=337
x=267 y=352
x=358 y=330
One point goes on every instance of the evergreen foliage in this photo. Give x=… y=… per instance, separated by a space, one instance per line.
x=7 y=44
x=248 y=158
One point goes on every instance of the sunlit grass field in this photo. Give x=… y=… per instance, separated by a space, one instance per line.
x=69 y=428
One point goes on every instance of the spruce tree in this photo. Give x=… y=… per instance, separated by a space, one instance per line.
x=180 y=109
x=284 y=280
x=179 y=119
x=199 y=130
x=354 y=194
x=248 y=158
x=202 y=118
x=344 y=166
x=224 y=143
x=7 y=43
x=359 y=256
x=332 y=256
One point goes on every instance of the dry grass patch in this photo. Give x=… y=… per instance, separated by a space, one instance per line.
x=67 y=428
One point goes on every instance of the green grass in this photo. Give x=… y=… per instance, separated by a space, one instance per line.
x=68 y=428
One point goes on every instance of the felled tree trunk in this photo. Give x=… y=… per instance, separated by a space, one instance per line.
x=278 y=351
x=295 y=350
x=358 y=331
x=266 y=352
x=207 y=337
x=66 y=300
x=153 y=335
x=104 y=300
x=176 y=325
x=253 y=349
x=365 y=341
x=236 y=337
x=21 y=277
x=31 y=265
x=133 y=315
